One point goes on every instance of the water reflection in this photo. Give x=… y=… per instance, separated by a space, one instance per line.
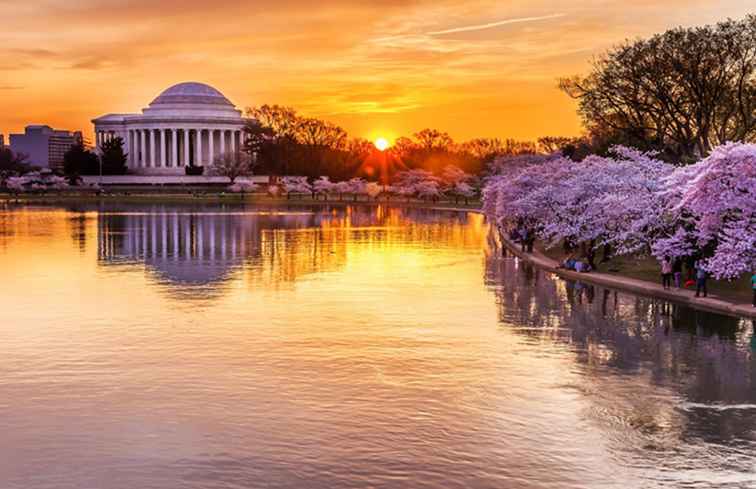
x=631 y=350
x=205 y=245
x=233 y=346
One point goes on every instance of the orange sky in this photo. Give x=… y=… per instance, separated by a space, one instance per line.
x=376 y=67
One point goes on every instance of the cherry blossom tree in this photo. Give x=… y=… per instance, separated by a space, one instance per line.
x=462 y=190
x=373 y=190
x=295 y=185
x=356 y=187
x=243 y=187
x=342 y=188
x=428 y=189
x=715 y=215
x=457 y=183
x=16 y=184
x=420 y=183
x=323 y=186
x=631 y=202
x=36 y=181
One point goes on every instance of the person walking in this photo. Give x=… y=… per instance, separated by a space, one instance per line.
x=524 y=236
x=701 y=277
x=677 y=271
x=666 y=273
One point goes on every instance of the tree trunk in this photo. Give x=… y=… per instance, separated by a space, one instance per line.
x=607 y=253
x=590 y=253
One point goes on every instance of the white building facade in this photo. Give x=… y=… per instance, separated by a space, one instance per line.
x=189 y=124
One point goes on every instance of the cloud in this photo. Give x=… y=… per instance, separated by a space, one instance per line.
x=401 y=63
x=491 y=25
x=89 y=64
x=33 y=53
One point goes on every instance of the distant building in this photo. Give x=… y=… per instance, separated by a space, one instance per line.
x=44 y=145
x=2 y=141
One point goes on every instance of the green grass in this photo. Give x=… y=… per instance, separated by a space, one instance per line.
x=648 y=269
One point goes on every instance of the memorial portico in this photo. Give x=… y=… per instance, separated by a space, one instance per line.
x=189 y=124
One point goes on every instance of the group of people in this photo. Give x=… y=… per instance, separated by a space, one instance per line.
x=671 y=270
x=697 y=275
x=525 y=236
x=576 y=264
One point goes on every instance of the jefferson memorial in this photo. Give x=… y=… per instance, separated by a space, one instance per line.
x=189 y=124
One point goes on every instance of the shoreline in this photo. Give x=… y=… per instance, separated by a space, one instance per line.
x=221 y=198
x=619 y=282
x=636 y=286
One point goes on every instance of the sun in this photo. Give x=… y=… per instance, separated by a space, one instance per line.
x=381 y=144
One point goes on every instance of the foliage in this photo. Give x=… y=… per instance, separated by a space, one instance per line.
x=243 y=187
x=12 y=164
x=417 y=183
x=36 y=182
x=113 y=157
x=633 y=202
x=295 y=185
x=78 y=160
x=232 y=165
x=682 y=92
x=287 y=143
x=323 y=186
x=715 y=211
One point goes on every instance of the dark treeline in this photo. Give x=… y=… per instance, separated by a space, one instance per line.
x=80 y=160
x=287 y=143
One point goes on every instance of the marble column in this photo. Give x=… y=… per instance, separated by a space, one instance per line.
x=198 y=155
x=174 y=143
x=162 y=149
x=143 y=149
x=211 y=155
x=186 y=147
x=222 y=141
x=153 y=153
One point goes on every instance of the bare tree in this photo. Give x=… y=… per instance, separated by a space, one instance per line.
x=681 y=92
x=489 y=148
x=233 y=165
x=434 y=140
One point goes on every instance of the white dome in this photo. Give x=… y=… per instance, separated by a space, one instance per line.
x=192 y=100
x=191 y=93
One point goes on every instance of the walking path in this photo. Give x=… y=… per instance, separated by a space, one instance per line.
x=642 y=287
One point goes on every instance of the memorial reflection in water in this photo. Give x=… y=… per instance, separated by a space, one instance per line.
x=206 y=245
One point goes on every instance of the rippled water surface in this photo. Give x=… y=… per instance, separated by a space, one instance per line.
x=209 y=347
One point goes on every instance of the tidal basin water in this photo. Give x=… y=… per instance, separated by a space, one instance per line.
x=151 y=346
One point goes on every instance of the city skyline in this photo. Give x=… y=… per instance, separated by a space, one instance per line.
x=384 y=69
